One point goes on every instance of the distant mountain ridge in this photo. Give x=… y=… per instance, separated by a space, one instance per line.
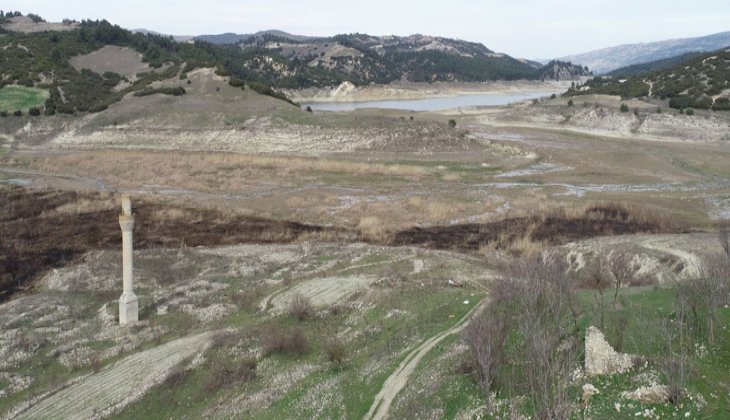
x=286 y=60
x=607 y=59
x=233 y=38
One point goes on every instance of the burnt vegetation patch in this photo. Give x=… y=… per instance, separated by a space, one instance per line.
x=41 y=230
x=556 y=228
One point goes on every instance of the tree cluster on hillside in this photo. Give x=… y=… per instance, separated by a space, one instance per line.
x=700 y=82
x=652 y=66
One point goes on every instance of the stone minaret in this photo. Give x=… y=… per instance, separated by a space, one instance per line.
x=128 y=306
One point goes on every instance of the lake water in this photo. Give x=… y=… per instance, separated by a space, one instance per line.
x=431 y=104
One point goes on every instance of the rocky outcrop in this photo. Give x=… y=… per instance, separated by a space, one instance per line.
x=601 y=358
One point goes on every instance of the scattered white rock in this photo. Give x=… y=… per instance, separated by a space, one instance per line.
x=588 y=392
x=601 y=358
x=106 y=318
x=653 y=394
x=418 y=266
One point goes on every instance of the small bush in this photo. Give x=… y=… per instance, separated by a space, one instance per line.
x=452 y=123
x=278 y=341
x=553 y=96
x=220 y=71
x=689 y=111
x=309 y=108
x=18 y=113
x=236 y=82
x=174 y=91
x=337 y=309
x=336 y=351
x=95 y=364
x=4 y=113
x=175 y=377
x=226 y=377
x=301 y=307
x=570 y=102
x=624 y=108
x=34 y=111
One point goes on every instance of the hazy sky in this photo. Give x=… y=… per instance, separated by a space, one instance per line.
x=521 y=28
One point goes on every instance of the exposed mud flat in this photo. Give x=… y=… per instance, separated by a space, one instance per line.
x=609 y=122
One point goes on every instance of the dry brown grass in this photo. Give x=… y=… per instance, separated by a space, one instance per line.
x=207 y=171
x=372 y=228
x=84 y=205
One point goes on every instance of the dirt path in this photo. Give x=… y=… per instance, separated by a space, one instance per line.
x=692 y=263
x=117 y=385
x=398 y=379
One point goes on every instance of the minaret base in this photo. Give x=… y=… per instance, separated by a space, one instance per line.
x=128 y=308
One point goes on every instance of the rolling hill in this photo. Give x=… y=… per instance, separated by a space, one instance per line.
x=701 y=81
x=607 y=59
x=69 y=63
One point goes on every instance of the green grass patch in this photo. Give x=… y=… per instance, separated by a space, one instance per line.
x=22 y=98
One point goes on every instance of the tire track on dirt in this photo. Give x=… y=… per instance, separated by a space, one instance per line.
x=398 y=379
x=118 y=385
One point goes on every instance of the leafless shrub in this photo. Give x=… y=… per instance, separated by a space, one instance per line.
x=677 y=333
x=723 y=231
x=247 y=299
x=175 y=377
x=485 y=335
x=707 y=294
x=301 y=307
x=620 y=269
x=95 y=363
x=223 y=339
x=337 y=309
x=526 y=320
x=275 y=340
x=336 y=351
x=224 y=376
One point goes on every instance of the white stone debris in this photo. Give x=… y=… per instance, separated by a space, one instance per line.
x=653 y=394
x=601 y=358
x=588 y=392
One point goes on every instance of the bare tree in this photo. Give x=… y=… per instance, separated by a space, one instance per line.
x=619 y=268
x=524 y=333
x=710 y=292
x=677 y=339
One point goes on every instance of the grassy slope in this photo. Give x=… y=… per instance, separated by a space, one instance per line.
x=401 y=318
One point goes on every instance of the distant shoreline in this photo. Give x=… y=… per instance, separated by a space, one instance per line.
x=407 y=91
